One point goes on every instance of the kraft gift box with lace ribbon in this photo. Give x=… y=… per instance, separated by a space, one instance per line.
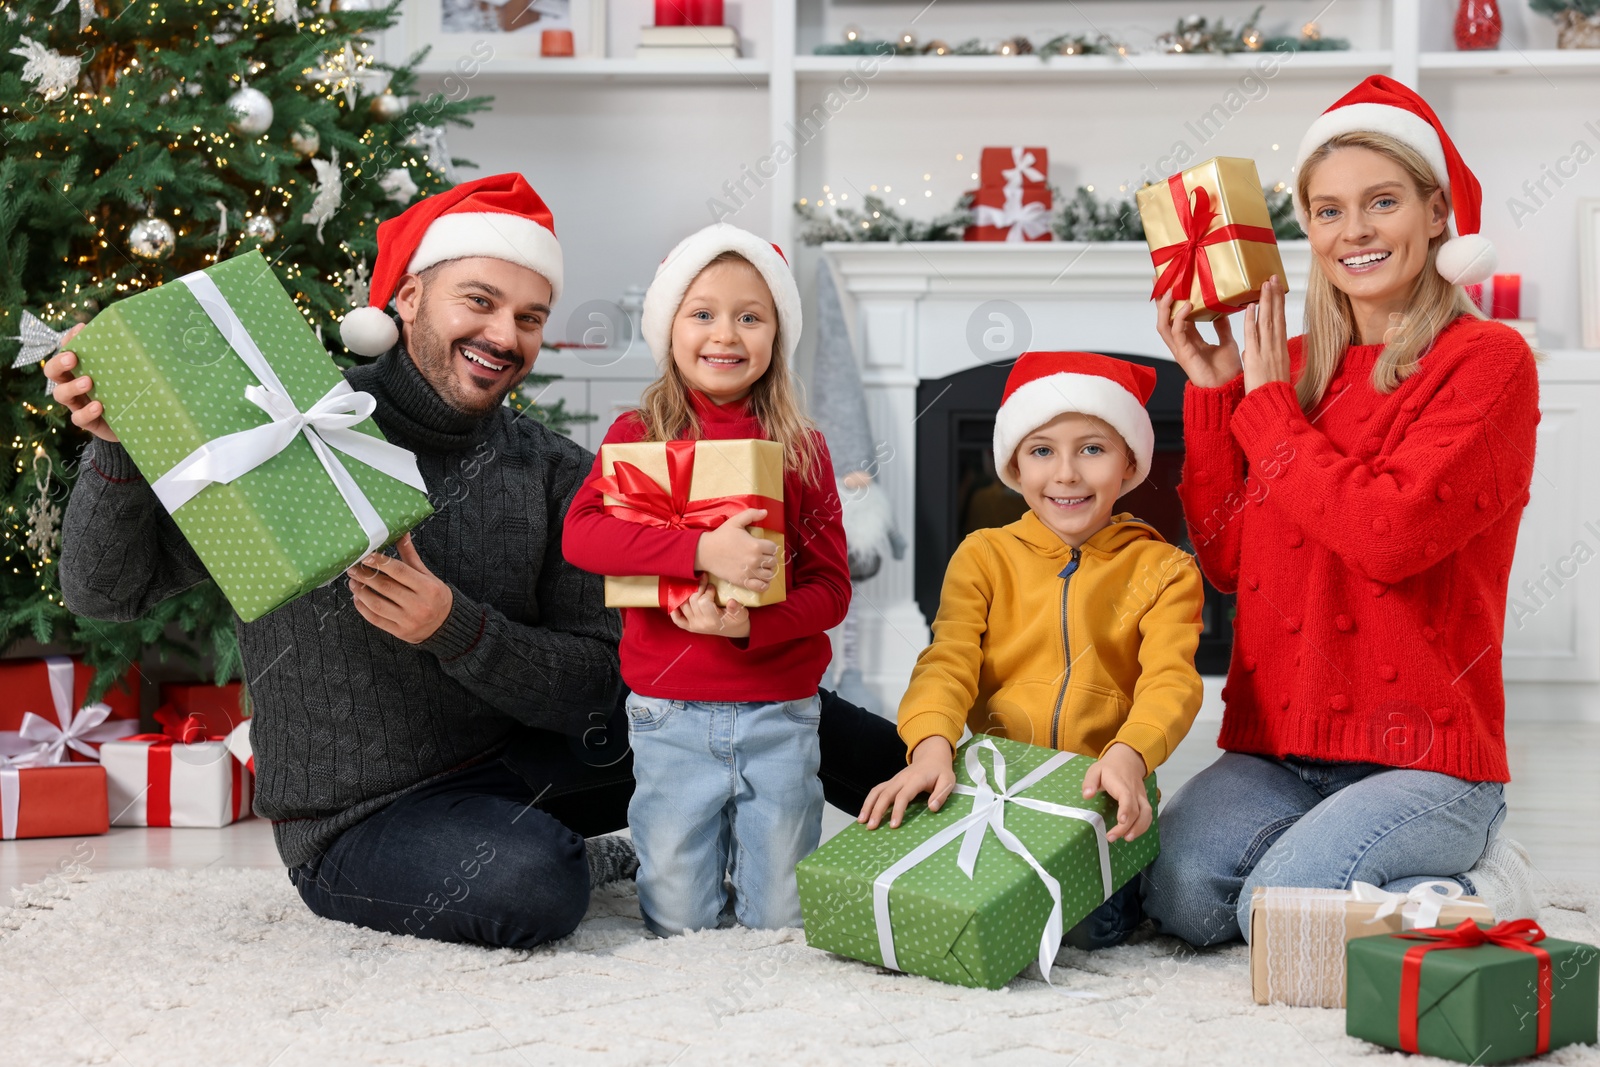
x=1297 y=936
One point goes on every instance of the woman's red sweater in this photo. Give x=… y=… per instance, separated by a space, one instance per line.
x=1370 y=544
x=787 y=650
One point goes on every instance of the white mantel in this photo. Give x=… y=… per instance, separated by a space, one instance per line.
x=925 y=311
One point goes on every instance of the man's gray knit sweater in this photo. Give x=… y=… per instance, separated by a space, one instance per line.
x=346 y=717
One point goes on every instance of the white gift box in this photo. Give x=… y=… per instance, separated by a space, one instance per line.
x=167 y=783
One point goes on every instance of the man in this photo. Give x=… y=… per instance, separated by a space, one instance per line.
x=436 y=735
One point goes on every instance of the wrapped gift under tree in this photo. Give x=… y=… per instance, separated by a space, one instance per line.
x=46 y=716
x=1210 y=235
x=972 y=893
x=695 y=485
x=1297 y=936
x=62 y=800
x=1471 y=993
x=186 y=776
x=218 y=708
x=267 y=459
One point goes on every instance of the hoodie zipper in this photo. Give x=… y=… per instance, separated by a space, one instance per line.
x=1066 y=648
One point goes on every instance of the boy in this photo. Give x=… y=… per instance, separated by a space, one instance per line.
x=1071 y=628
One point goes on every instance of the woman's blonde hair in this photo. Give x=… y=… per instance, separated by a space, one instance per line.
x=774 y=400
x=1434 y=303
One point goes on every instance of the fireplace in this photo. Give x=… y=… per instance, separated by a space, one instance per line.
x=957 y=490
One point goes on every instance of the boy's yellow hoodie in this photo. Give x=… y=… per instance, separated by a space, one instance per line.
x=1069 y=648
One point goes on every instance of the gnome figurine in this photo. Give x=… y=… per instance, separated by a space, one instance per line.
x=840 y=408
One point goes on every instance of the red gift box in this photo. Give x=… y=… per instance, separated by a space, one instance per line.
x=45 y=716
x=1016 y=214
x=216 y=708
x=1027 y=167
x=66 y=800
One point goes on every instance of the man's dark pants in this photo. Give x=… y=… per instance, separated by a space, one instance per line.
x=494 y=853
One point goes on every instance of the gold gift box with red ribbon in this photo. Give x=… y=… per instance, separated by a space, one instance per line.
x=692 y=485
x=1210 y=235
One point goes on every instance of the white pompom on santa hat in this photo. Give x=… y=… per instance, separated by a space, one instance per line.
x=1382 y=105
x=1043 y=385
x=499 y=217
x=685 y=262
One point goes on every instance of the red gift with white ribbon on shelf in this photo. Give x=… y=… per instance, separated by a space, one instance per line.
x=1013 y=200
x=186 y=776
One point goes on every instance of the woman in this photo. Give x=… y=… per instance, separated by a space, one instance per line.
x=1359 y=488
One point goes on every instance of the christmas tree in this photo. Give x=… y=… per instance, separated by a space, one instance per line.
x=147 y=140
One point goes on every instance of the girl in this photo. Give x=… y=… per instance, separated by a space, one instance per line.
x=723 y=712
x=1387 y=453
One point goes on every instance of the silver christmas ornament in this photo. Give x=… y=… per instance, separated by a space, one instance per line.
x=261 y=227
x=386 y=107
x=252 y=112
x=306 y=141
x=354 y=5
x=152 y=238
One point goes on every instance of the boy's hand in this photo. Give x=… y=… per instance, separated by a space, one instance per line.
x=1120 y=772
x=701 y=615
x=72 y=391
x=931 y=771
x=736 y=555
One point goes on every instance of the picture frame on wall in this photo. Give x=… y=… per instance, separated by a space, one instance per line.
x=1589 y=270
x=485 y=30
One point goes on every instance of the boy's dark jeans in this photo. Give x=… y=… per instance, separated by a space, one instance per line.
x=494 y=853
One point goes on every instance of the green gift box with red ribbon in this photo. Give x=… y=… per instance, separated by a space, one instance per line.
x=1471 y=993
x=692 y=485
x=1210 y=235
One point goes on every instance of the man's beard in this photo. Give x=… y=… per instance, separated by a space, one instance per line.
x=435 y=358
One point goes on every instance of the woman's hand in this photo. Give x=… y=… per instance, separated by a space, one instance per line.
x=72 y=391
x=701 y=615
x=1120 y=772
x=1208 y=366
x=734 y=554
x=1266 y=340
x=931 y=771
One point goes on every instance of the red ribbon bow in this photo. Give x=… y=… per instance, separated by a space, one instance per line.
x=1520 y=935
x=639 y=498
x=1186 y=257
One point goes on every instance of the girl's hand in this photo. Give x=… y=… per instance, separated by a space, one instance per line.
x=1208 y=366
x=736 y=555
x=1120 y=772
x=931 y=771
x=701 y=615
x=72 y=391
x=1266 y=341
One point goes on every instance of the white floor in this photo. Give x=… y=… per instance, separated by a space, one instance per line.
x=1554 y=799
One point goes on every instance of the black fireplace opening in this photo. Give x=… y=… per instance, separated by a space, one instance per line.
x=958 y=490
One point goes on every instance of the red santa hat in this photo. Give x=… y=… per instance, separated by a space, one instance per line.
x=499 y=216
x=685 y=262
x=1043 y=385
x=1383 y=105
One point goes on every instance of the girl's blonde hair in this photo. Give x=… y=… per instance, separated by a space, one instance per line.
x=774 y=400
x=1434 y=303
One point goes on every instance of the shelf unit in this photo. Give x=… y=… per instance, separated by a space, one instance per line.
x=785 y=73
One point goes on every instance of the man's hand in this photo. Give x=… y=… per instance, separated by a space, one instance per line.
x=736 y=555
x=72 y=391
x=701 y=615
x=931 y=771
x=400 y=596
x=1120 y=772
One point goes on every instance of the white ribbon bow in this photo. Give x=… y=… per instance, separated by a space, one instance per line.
x=75 y=730
x=988 y=813
x=39 y=340
x=1026 y=221
x=327 y=422
x=1419 y=909
x=1021 y=168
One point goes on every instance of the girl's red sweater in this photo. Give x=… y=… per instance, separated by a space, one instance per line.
x=787 y=650
x=1369 y=543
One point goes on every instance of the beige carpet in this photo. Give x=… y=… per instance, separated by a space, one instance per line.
x=227 y=967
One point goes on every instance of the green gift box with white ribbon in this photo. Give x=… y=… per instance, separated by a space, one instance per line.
x=973 y=893
x=267 y=459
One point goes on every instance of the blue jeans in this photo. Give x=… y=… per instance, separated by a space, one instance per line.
x=725 y=791
x=1248 y=821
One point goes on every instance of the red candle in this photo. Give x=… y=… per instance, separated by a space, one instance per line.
x=671 y=13
x=1507 y=296
x=705 y=12
x=555 y=43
